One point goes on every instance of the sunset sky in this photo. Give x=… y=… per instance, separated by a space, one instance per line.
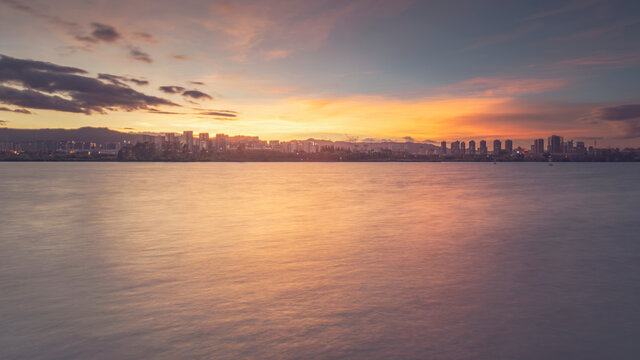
x=366 y=69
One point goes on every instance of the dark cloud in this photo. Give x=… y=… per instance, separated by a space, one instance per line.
x=427 y=141
x=617 y=112
x=21 y=111
x=49 y=86
x=120 y=80
x=104 y=32
x=3 y=122
x=218 y=114
x=139 y=55
x=408 y=138
x=197 y=83
x=171 y=89
x=195 y=94
x=224 y=113
x=624 y=117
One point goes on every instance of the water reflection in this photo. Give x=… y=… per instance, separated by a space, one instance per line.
x=332 y=260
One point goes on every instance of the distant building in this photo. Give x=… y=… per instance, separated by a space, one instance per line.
x=188 y=139
x=463 y=148
x=508 y=146
x=483 y=147
x=204 y=140
x=580 y=147
x=171 y=138
x=443 y=147
x=554 y=144
x=472 y=147
x=222 y=142
x=569 y=149
x=497 y=147
x=455 y=147
x=538 y=146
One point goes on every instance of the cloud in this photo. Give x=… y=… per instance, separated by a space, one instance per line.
x=120 y=80
x=613 y=60
x=171 y=89
x=195 y=94
x=277 y=54
x=625 y=118
x=22 y=7
x=179 y=57
x=568 y=7
x=21 y=111
x=42 y=85
x=197 y=83
x=139 y=55
x=254 y=27
x=504 y=86
x=617 y=112
x=224 y=113
x=3 y=122
x=104 y=32
x=217 y=114
x=408 y=138
x=143 y=36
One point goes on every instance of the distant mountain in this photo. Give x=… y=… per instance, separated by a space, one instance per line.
x=98 y=135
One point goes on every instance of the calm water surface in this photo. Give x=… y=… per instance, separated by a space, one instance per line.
x=319 y=261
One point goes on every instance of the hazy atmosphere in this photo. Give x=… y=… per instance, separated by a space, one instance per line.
x=366 y=69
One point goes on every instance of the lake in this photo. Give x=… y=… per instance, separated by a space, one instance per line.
x=319 y=261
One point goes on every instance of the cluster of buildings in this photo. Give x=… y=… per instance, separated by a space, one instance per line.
x=187 y=141
x=555 y=145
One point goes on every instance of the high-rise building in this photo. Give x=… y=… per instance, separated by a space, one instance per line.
x=472 y=147
x=221 y=142
x=463 y=148
x=508 y=146
x=580 y=147
x=483 y=147
x=455 y=147
x=204 y=140
x=172 y=139
x=569 y=146
x=187 y=136
x=497 y=147
x=538 y=146
x=443 y=147
x=555 y=144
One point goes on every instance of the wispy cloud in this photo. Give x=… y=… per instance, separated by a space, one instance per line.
x=504 y=86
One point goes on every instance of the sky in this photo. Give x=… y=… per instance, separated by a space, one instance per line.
x=327 y=69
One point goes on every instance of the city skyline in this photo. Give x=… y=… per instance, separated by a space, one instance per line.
x=333 y=70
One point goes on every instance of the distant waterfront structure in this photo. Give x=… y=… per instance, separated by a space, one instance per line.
x=497 y=147
x=508 y=147
x=483 y=147
x=455 y=147
x=204 y=140
x=188 y=138
x=222 y=142
x=555 y=144
x=170 y=138
x=463 y=148
x=538 y=146
x=472 y=147
x=443 y=147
